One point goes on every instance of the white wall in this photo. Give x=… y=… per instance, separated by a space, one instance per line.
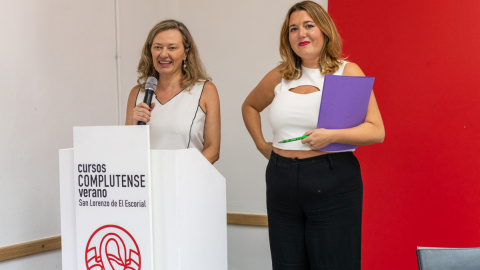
x=68 y=63
x=57 y=71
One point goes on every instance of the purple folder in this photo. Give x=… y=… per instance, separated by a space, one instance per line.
x=344 y=105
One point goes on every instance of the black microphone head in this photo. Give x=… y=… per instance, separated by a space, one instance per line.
x=151 y=84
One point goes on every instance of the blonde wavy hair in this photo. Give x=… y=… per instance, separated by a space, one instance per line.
x=330 y=55
x=194 y=71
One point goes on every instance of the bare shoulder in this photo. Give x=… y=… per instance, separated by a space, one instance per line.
x=209 y=90
x=275 y=72
x=209 y=97
x=209 y=87
x=273 y=77
x=352 y=69
x=132 y=97
x=269 y=81
x=134 y=91
x=262 y=95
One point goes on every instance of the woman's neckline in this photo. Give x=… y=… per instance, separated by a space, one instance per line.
x=307 y=68
x=169 y=99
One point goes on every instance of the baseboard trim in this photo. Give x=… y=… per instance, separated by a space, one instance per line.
x=53 y=243
x=30 y=248
x=247 y=219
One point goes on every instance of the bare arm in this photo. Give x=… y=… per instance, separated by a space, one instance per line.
x=260 y=97
x=369 y=132
x=210 y=103
x=141 y=112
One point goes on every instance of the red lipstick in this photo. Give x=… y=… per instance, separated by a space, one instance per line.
x=303 y=43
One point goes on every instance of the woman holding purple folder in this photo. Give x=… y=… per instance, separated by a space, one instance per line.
x=314 y=198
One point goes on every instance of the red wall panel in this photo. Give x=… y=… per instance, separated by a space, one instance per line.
x=422 y=185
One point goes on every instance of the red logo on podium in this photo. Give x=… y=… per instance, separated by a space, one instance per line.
x=111 y=247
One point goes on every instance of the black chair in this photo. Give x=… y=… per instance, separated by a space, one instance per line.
x=430 y=258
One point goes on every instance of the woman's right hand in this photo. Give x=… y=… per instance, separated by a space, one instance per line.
x=142 y=112
x=266 y=149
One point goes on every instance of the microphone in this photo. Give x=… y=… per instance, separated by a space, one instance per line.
x=150 y=87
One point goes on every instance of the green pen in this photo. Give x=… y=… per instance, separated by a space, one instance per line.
x=293 y=139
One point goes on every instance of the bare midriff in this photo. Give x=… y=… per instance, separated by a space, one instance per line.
x=298 y=153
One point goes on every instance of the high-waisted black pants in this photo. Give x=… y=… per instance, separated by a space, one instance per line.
x=315 y=212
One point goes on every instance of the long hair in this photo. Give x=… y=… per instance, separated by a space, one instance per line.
x=194 y=71
x=329 y=60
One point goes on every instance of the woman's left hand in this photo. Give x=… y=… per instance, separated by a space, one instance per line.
x=319 y=138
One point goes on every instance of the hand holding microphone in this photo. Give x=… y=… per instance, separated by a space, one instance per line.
x=143 y=110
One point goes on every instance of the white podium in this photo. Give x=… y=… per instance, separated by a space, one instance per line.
x=189 y=211
x=188 y=205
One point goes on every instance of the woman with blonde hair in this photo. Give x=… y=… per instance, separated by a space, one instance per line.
x=314 y=198
x=188 y=111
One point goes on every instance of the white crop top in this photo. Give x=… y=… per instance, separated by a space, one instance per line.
x=292 y=114
x=179 y=123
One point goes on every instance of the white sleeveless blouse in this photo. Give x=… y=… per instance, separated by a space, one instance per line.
x=293 y=114
x=179 y=123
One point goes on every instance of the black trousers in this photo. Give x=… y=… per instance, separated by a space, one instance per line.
x=315 y=212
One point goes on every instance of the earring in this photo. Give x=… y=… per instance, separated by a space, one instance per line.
x=184 y=63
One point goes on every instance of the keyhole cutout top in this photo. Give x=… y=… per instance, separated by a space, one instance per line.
x=304 y=89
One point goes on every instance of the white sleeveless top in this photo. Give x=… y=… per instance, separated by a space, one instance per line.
x=179 y=123
x=292 y=114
